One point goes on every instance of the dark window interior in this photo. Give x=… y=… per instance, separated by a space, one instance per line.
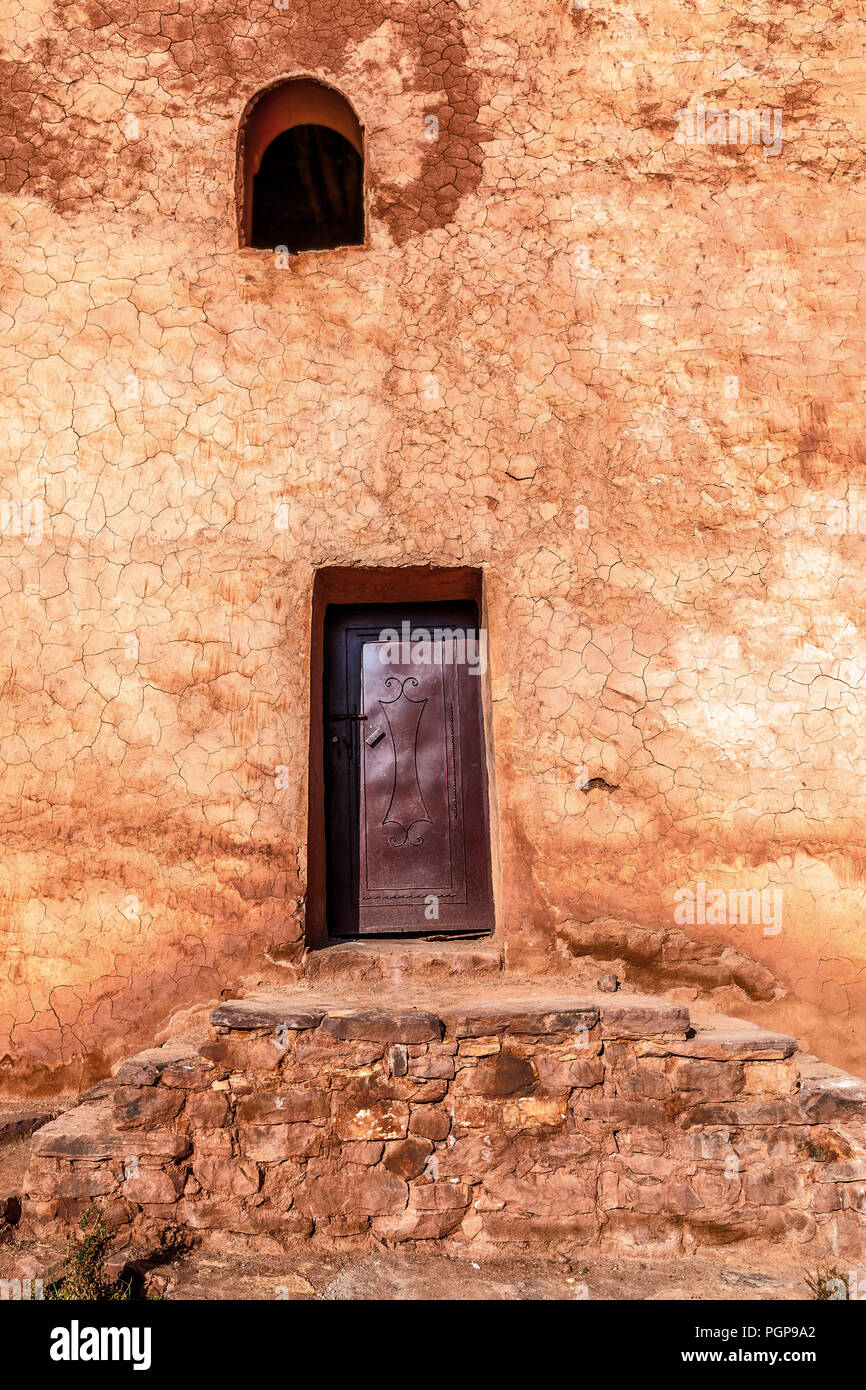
x=308 y=194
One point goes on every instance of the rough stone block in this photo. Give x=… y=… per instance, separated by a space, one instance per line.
x=545 y=1194
x=208 y=1109
x=224 y=1175
x=556 y=1074
x=18 y=1124
x=826 y=1198
x=270 y=1011
x=447 y=1195
x=707 y=1079
x=516 y=1017
x=474 y=1156
x=272 y=1143
x=535 y=1112
x=417 y=1225
x=635 y=1233
x=432 y=1068
x=835 y=1097
x=377 y=1120
x=345 y=1193
x=365 y=1152
x=90 y=1180
x=779 y=1078
x=505 y=1075
x=154 y=1185
x=739 y=1042
x=342 y=1227
x=375 y=1087
x=478 y=1047
x=382 y=1025
x=540 y=1230
x=771 y=1186
x=408 y=1157
x=643 y=1017
x=719 y=1189
x=853 y=1171
x=187 y=1076
x=220 y=1215
x=145 y=1068
x=145 y=1107
x=213 y=1141
x=284 y=1107
x=430 y=1122
x=643 y=1080
x=88 y=1132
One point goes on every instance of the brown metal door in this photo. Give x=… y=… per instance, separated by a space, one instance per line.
x=405 y=777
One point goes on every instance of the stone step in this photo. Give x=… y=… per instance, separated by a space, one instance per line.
x=507 y=1118
x=729 y=1039
x=399 y=964
x=475 y=1015
x=829 y=1094
x=89 y=1132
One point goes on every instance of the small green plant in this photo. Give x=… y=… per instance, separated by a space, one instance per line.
x=83 y=1278
x=827 y=1283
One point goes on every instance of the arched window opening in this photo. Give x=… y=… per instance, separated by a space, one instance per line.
x=308 y=193
x=302 y=170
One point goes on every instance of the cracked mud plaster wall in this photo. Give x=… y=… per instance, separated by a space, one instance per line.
x=560 y=307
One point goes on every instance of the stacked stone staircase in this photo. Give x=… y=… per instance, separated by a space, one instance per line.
x=503 y=1120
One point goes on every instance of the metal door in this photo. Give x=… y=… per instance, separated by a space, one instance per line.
x=405 y=776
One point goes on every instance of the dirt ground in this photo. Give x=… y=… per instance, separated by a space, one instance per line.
x=14 y=1158
x=417 y=1276
x=401 y=1276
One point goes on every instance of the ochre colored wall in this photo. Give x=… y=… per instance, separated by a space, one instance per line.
x=580 y=290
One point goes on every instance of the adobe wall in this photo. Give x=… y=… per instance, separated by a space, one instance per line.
x=560 y=307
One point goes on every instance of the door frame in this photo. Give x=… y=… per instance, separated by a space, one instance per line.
x=387 y=585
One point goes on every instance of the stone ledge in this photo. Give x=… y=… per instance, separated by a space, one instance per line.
x=145 y=1068
x=641 y=1016
x=515 y=1017
x=88 y=1132
x=382 y=1025
x=829 y=1094
x=722 y=1044
x=278 y=1010
x=479 y=1015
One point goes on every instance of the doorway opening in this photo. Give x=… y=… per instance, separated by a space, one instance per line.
x=400 y=841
